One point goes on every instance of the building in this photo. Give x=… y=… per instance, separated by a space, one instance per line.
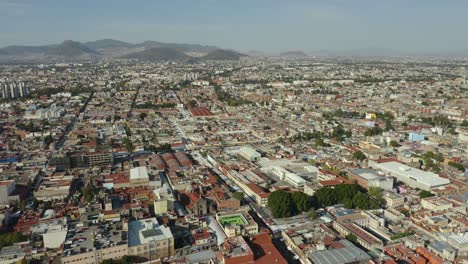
x=93 y=243
x=413 y=136
x=224 y=201
x=257 y=193
x=163 y=201
x=415 y=178
x=364 y=238
x=13 y=90
x=289 y=177
x=237 y=223
x=76 y=160
x=249 y=153
x=148 y=239
x=11 y=254
x=258 y=250
x=347 y=253
x=436 y=204
x=370 y=178
x=394 y=200
x=53 y=231
x=139 y=177
x=235 y=250
x=6 y=192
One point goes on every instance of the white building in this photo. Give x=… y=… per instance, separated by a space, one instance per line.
x=53 y=232
x=139 y=176
x=289 y=177
x=249 y=153
x=415 y=178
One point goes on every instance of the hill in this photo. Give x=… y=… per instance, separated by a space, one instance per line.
x=70 y=48
x=294 y=54
x=107 y=44
x=223 y=55
x=20 y=50
x=157 y=54
x=180 y=47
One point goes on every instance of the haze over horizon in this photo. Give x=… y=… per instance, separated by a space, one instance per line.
x=269 y=26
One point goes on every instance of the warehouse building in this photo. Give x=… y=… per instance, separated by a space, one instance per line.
x=415 y=178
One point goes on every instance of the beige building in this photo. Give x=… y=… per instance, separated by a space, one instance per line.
x=163 y=201
x=95 y=257
x=237 y=223
x=394 y=200
x=139 y=177
x=148 y=239
x=436 y=204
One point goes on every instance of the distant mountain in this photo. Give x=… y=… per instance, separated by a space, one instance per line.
x=157 y=54
x=73 y=51
x=70 y=48
x=295 y=54
x=21 y=50
x=223 y=55
x=108 y=44
x=176 y=46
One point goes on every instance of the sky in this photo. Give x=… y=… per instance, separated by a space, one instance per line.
x=244 y=25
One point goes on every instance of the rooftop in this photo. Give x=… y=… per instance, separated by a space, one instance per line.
x=139 y=173
x=85 y=237
x=424 y=177
x=145 y=231
x=348 y=254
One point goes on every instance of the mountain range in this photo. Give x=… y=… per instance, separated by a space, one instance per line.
x=73 y=51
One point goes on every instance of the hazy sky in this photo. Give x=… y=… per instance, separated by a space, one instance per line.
x=267 y=25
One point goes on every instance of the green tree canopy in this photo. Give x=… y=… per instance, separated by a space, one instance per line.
x=238 y=195
x=281 y=204
x=312 y=214
x=8 y=239
x=359 y=155
x=425 y=194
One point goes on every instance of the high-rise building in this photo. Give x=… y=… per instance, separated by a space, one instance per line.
x=13 y=90
x=4 y=89
x=23 y=90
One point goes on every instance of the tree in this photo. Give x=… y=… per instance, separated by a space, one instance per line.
x=350 y=195
x=319 y=142
x=456 y=165
x=8 y=239
x=48 y=140
x=376 y=192
x=192 y=103
x=359 y=155
x=281 y=204
x=373 y=131
x=425 y=194
x=238 y=195
x=394 y=144
x=89 y=192
x=129 y=145
x=352 y=238
x=301 y=201
x=142 y=116
x=348 y=203
x=464 y=123
x=312 y=214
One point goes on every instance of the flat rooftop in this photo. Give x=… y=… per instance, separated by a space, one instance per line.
x=145 y=231
x=348 y=254
x=139 y=173
x=80 y=237
x=367 y=174
x=403 y=170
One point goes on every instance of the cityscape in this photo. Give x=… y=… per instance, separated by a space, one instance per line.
x=116 y=152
